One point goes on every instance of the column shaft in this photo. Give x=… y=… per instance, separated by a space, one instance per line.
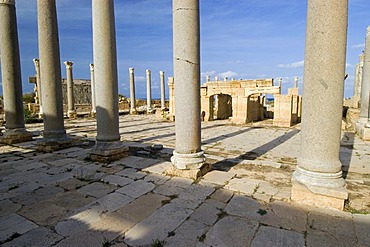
x=132 y=91
x=38 y=84
x=148 y=91
x=365 y=87
x=52 y=97
x=163 y=99
x=92 y=88
x=70 y=91
x=186 y=45
x=11 y=75
x=324 y=70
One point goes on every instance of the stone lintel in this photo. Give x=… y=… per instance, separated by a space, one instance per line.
x=332 y=198
x=191 y=173
x=54 y=144
x=363 y=130
x=108 y=151
x=11 y=136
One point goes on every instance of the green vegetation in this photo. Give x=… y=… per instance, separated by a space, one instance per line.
x=158 y=243
x=29 y=98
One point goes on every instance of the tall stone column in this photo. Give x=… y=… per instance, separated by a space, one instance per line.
x=108 y=145
x=132 y=91
x=11 y=76
x=70 y=92
x=296 y=82
x=318 y=179
x=36 y=62
x=365 y=87
x=208 y=78
x=92 y=88
x=186 y=44
x=280 y=83
x=148 y=91
x=54 y=133
x=163 y=98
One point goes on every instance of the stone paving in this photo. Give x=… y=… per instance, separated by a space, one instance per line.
x=65 y=199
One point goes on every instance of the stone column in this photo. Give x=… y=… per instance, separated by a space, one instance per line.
x=186 y=45
x=132 y=92
x=11 y=76
x=108 y=145
x=296 y=82
x=36 y=62
x=280 y=82
x=148 y=91
x=365 y=87
x=163 y=99
x=225 y=78
x=71 y=113
x=216 y=78
x=54 y=133
x=318 y=179
x=92 y=88
x=208 y=78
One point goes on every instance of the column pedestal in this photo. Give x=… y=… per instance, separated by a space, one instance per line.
x=11 y=136
x=363 y=129
x=108 y=151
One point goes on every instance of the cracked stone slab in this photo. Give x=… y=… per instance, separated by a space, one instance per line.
x=362 y=226
x=136 y=189
x=14 y=224
x=232 y=231
x=131 y=173
x=44 y=213
x=97 y=189
x=157 y=225
x=8 y=207
x=243 y=185
x=274 y=237
x=117 y=180
x=160 y=168
x=40 y=236
x=188 y=234
x=180 y=182
x=206 y=213
x=218 y=177
x=244 y=206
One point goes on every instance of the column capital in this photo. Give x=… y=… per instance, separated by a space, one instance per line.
x=91 y=67
x=68 y=64
x=10 y=2
x=148 y=71
x=161 y=72
x=36 y=62
x=131 y=70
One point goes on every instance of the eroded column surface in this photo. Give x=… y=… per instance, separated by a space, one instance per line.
x=132 y=91
x=186 y=45
x=70 y=92
x=36 y=62
x=317 y=179
x=163 y=98
x=148 y=91
x=365 y=87
x=108 y=145
x=50 y=72
x=92 y=88
x=11 y=76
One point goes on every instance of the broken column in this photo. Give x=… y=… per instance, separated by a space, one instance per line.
x=163 y=100
x=148 y=91
x=362 y=126
x=108 y=146
x=54 y=133
x=186 y=44
x=15 y=131
x=318 y=179
x=132 y=92
x=296 y=82
x=92 y=88
x=71 y=113
x=36 y=62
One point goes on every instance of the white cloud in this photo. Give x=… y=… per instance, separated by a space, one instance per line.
x=210 y=73
x=348 y=65
x=140 y=78
x=292 y=65
x=228 y=74
x=359 y=45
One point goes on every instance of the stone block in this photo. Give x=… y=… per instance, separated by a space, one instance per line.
x=40 y=236
x=218 y=177
x=273 y=237
x=136 y=189
x=48 y=216
x=131 y=173
x=188 y=234
x=117 y=180
x=97 y=189
x=319 y=197
x=192 y=174
x=362 y=226
x=244 y=206
x=14 y=224
x=243 y=185
x=48 y=146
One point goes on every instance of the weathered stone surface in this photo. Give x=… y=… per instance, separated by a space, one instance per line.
x=243 y=185
x=131 y=173
x=206 y=213
x=188 y=234
x=117 y=180
x=71 y=200
x=222 y=195
x=87 y=238
x=136 y=189
x=49 y=215
x=362 y=226
x=160 y=168
x=14 y=224
x=232 y=231
x=157 y=225
x=273 y=237
x=40 y=236
x=97 y=189
x=156 y=179
x=244 y=207
x=168 y=190
x=218 y=177
x=72 y=184
x=180 y=182
x=8 y=207
x=285 y=216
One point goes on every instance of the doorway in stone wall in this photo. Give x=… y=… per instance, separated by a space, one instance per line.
x=222 y=106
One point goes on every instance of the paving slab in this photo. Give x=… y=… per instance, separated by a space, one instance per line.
x=362 y=227
x=218 y=177
x=243 y=185
x=244 y=207
x=188 y=234
x=131 y=173
x=222 y=195
x=44 y=213
x=40 y=237
x=7 y=207
x=136 y=189
x=13 y=225
x=274 y=237
x=97 y=189
x=232 y=231
x=207 y=213
x=117 y=180
x=180 y=182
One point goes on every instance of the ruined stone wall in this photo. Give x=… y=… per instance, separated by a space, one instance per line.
x=81 y=89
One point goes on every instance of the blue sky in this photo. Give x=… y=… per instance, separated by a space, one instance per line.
x=245 y=39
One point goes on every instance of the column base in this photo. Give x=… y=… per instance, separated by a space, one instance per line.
x=72 y=114
x=363 y=130
x=108 y=151
x=49 y=145
x=190 y=173
x=332 y=198
x=133 y=111
x=11 y=136
x=93 y=114
x=188 y=161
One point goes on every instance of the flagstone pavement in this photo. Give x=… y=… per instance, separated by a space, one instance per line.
x=64 y=199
